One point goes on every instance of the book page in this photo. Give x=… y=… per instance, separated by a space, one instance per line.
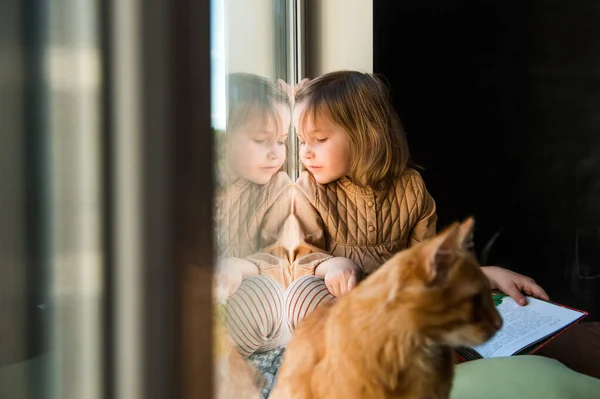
x=524 y=325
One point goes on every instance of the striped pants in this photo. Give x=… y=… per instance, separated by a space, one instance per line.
x=261 y=315
x=302 y=297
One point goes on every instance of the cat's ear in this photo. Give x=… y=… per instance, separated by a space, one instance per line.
x=466 y=233
x=440 y=251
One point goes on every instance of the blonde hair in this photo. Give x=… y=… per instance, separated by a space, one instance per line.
x=360 y=103
x=248 y=95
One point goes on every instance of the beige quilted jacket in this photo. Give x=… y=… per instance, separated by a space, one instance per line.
x=343 y=219
x=288 y=229
x=248 y=221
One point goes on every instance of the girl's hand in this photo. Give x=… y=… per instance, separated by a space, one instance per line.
x=342 y=276
x=227 y=282
x=513 y=284
x=229 y=275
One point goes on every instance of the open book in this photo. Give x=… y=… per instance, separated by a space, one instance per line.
x=525 y=329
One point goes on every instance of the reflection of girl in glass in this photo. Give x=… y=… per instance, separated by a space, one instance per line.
x=250 y=208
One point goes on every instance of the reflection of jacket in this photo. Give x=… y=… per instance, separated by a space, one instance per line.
x=248 y=220
x=360 y=224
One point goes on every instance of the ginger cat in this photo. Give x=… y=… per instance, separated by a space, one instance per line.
x=392 y=336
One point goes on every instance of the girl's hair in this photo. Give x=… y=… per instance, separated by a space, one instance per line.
x=247 y=96
x=248 y=93
x=360 y=103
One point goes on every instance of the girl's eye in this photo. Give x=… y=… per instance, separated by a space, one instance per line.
x=302 y=143
x=258 y=141
x=281 y=142
x=322 y=140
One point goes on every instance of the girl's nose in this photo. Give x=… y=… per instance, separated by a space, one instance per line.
x=272 y=154
x=307 y=152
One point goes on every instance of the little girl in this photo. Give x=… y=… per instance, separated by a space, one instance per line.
x=251 y=204
x=361 y=190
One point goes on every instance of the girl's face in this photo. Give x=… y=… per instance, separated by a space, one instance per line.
x=257 y=147
x=324 y=145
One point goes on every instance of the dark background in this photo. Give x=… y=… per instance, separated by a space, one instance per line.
x=501 y=104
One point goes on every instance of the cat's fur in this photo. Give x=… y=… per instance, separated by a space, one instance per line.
x=392 y=336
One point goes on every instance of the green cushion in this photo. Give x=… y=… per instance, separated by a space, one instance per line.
x=521 y=377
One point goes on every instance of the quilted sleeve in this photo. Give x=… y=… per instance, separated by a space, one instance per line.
x=426 y=217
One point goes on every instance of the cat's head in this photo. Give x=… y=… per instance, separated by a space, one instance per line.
x=448 y=297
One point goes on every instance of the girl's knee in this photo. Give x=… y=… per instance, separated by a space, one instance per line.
x=255 y=314
x=303 y=281
x=264 y=286
x=303 y=296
